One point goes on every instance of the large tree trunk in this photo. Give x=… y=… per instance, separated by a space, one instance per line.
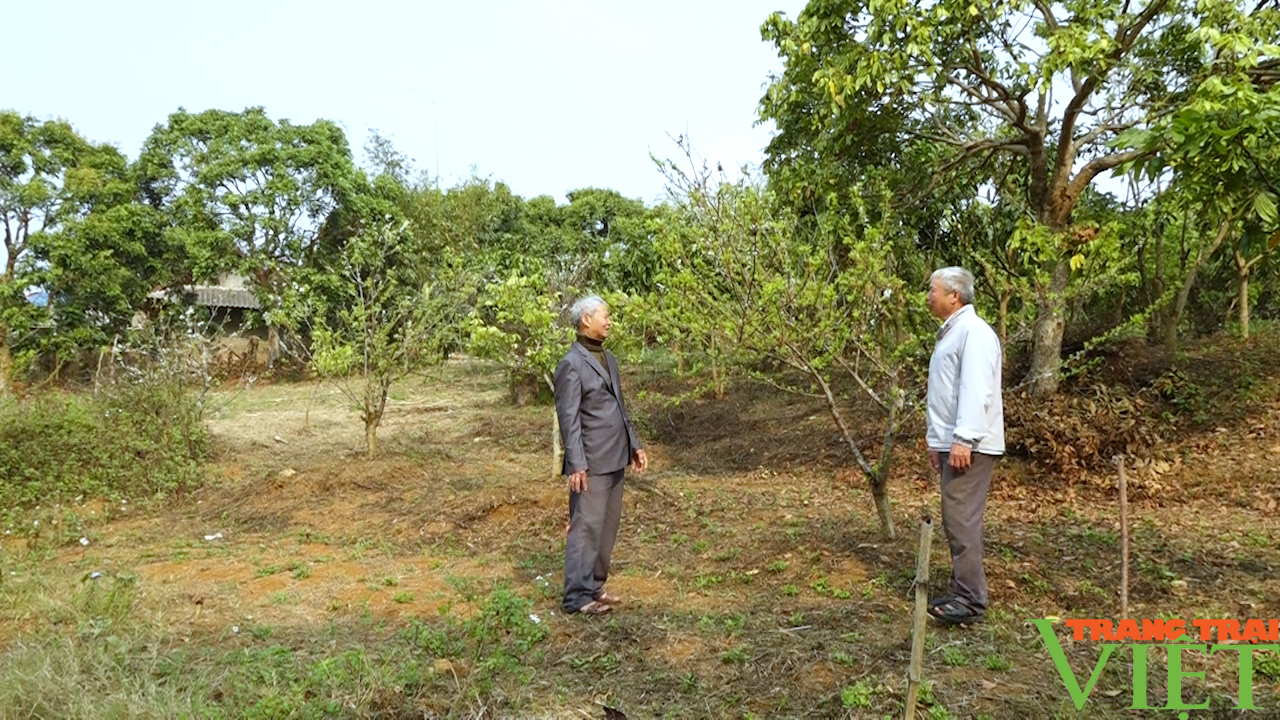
x=1046 y=350
x=371 y=437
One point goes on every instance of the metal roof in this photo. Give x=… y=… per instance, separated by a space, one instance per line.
x=214 y=296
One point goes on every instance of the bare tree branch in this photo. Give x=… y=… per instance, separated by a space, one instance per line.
x=789 y=390
x=1098 y=165
x=1103 y=128
x=834 y=407
x=863 y=383
x=1047 y=13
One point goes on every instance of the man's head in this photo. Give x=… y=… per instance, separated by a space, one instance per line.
x=950 y=288
x=591 y=317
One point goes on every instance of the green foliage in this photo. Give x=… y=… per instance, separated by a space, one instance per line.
x=517 y=323
x=857 y=696
x=50 y=176
x=245 y=193
x=76 y=231
x=609 y=236
x=996 y=663
x=955 y=104
x=1267 y=664
x=135 y=440
x=96 y=271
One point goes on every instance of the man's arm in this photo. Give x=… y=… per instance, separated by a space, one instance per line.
x=568 y=388
x=979 y=371
x=639 y=459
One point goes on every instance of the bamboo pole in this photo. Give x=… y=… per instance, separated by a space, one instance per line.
x=921 y=617
x=1124 y=543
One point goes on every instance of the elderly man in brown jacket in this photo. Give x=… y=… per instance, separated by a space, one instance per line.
x=599 y=442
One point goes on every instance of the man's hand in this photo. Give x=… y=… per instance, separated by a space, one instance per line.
x=961 y=456
x=933 y=461
x=640 y=461
x=578 y=481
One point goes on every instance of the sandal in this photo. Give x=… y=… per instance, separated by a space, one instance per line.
x=954 y=612
x=941 y=600
x=608 y=599
x=595 y=607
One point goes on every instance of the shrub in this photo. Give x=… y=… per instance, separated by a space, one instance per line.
x=134 y=440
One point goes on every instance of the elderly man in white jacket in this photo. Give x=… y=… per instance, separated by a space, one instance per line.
x=965 y=435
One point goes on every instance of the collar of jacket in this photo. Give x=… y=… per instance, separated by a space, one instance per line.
x=954 y=319
x=595 y=365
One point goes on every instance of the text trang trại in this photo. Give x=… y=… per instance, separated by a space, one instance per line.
x=1176 y=637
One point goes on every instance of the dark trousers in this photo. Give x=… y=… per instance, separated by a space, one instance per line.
x=964 y=499
x=593 y=528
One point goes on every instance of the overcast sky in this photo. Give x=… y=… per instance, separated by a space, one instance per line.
x=545 y=95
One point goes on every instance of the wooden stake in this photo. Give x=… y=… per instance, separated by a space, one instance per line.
x=921 y=617
x=1124 y=543
x=557 y=449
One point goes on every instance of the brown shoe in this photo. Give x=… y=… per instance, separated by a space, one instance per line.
x=608 y=599
x=595 y=607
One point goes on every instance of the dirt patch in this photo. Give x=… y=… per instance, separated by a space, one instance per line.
x=189 y=572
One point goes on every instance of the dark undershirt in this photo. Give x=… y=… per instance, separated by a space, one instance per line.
x=596 y=348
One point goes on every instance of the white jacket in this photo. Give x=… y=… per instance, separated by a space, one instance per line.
x=964 y=402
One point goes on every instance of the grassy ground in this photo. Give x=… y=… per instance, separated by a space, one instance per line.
x=306 y=580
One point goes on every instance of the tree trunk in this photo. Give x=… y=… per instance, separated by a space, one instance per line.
x=375 y=405
x=6 y=366
x=1119 y=315
x=1005 y=297
x=306 y=415
x=1184 y=292
x=880 y=491
x=716 y=382
x=1046 y=350
x=371 y=437
x=1243 y=269
x=877 y=476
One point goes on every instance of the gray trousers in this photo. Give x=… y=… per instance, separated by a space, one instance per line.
x=593 y=528
x=964 y=498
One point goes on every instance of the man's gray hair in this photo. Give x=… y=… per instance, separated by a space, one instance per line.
x=957 y=280
x=583 y=307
